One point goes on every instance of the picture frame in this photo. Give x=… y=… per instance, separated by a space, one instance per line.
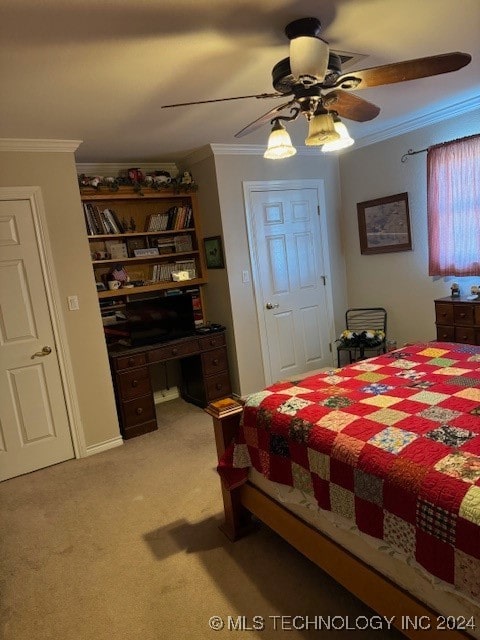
x=384 y=225
x=133 y=244
x=214 y=252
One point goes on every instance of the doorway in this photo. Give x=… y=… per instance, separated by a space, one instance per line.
x=287 y=234
x=35 y=426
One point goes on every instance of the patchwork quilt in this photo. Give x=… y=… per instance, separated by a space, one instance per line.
x=391 y=443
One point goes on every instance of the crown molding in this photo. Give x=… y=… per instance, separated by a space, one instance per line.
x=432 y=117
x=116 y=168
x=27 y=144
x=213 y=150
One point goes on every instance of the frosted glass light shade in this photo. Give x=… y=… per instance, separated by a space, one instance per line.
x=321 y=129
x=308 y=59
x=345 y=140
x=279 y=144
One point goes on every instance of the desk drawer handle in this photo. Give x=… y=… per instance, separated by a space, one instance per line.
x=444 y=335
x=134 y=383
x=215 y=361
x=213 y=342
x=139 y=411
x=219 y=386
x=174 y=352
x=131 y=362
x=462 y=315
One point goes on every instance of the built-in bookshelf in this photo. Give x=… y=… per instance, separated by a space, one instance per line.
x=149 y=243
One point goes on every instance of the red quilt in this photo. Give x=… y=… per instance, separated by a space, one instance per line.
x=391 y=443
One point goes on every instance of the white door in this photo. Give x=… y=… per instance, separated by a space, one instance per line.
x=34 y=425
x=290 y=277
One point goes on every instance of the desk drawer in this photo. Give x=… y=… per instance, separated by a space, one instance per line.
x=217 y=386
x=138 y=410
x=127 y=362
x=214 y=360
x=133 y=384
x=211 y=341
x=173 y=351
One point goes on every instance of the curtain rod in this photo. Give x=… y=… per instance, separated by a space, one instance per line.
x=411 y=152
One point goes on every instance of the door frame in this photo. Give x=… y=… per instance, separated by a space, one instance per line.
x=52 y=292
x=250 y=187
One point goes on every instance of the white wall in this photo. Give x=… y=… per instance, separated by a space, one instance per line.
x=55 y=174
x=227 y=216
x=397 y=281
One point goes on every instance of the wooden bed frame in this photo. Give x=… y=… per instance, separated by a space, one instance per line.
x=374 y=589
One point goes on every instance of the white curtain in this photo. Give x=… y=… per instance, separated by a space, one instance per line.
x=453 y=207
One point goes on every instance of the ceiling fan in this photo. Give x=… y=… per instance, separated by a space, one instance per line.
x=312 y=80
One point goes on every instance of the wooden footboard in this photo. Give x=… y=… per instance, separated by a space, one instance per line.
x=375 y=590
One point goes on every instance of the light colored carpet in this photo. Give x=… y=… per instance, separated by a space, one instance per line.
x=125 y=545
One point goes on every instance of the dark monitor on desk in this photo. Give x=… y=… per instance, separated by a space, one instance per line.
x=160 y=319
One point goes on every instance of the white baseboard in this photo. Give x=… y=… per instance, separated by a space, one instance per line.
x=103 y=446
x=163 y=395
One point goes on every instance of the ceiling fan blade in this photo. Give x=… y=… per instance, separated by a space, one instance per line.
x=402 y=71
x=348 y=105
x=267 y=117
x=260 y=95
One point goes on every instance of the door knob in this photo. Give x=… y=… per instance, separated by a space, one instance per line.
x=44 y=352
x=270 y=305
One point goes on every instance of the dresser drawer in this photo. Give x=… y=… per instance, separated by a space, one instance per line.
x=463 y=314
x=128 y=362
x=133 y=384
x=445 y=334
x=138 y=410
x=444 y=313
x=465 y=335
x=174 y=351
x=211 y=341
x=217 y=386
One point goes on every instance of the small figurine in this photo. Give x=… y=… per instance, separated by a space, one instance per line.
x=132 y=226
x=186 y=178
x=455 y=289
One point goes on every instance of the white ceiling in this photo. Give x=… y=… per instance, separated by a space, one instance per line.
x=99 y=70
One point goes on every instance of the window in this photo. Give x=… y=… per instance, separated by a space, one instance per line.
x=453 y=207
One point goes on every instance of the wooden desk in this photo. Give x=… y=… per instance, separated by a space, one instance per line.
x=205 y=377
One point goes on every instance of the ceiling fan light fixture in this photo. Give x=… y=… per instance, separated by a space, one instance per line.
x=345 y=140
x=309 y=59
x=279 y=143
x=321 y=129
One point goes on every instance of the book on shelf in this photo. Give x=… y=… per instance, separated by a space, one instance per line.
x=182 y=243
x=116 y=249
x=98 y=222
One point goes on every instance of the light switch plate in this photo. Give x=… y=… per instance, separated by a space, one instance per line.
x=73 y=303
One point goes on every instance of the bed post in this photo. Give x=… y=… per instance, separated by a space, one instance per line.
x=237 y=518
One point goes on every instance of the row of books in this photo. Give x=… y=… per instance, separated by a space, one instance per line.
x=175 y=218
x=101 y=222
x=163 y=272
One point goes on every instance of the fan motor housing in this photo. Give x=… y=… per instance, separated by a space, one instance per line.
x=283 y=81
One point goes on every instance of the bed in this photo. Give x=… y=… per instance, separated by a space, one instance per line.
x=373 y=472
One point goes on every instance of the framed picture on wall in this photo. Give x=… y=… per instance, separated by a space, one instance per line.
x=384 y=225
x=214 y=252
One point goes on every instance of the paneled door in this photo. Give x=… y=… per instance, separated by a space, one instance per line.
x=290 y=274
x=34 y=423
